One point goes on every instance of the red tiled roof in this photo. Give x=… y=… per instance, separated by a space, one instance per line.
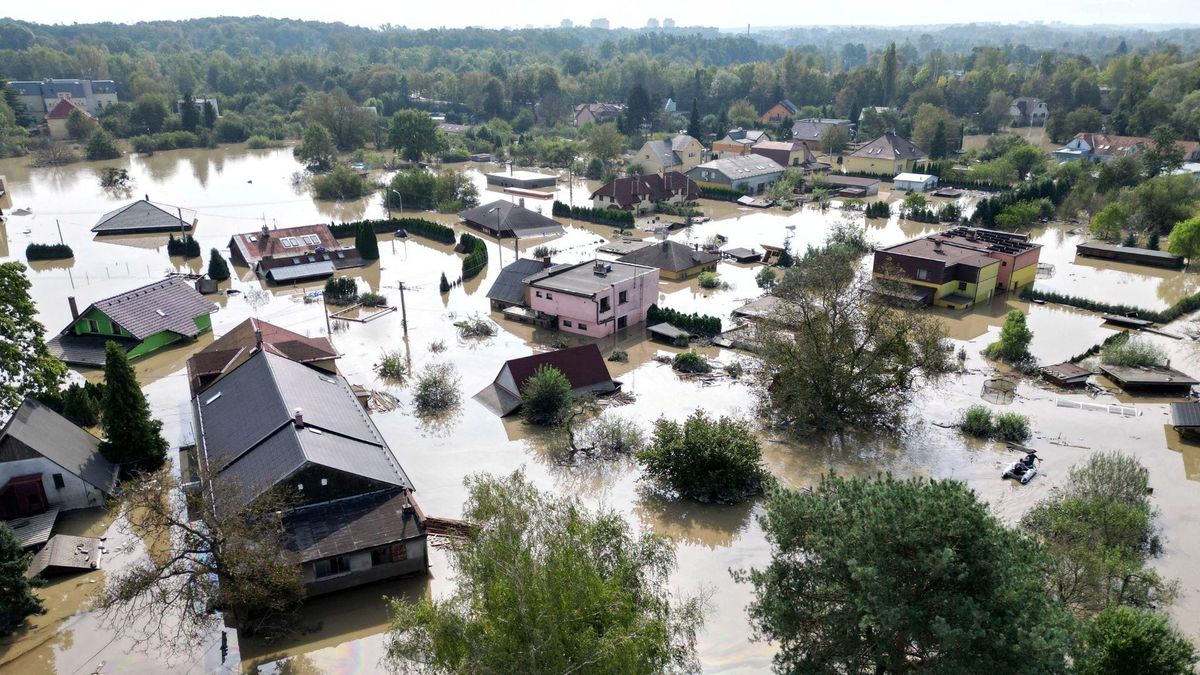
x=584 y=366
x=627 y=192
x=225 y=353
x=62 y=110
x=253 y=246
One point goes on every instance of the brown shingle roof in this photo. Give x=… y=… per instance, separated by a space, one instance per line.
x=234 y=347
x=346 y=525
x=62 y=110
x=167 y=305
x=287 y=241
x=629 y=191
x=891 y=146
x=670 y=255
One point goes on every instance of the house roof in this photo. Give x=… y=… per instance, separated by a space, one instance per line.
x=1185 y=414
x=849 y=181
x=64 y=552
x=287 y=241
x=167 y=305
x=249 y=431
x=85 y=350
x=745 y=136
x=788 y=106
x=62 y=110
x=941 y=249
x=239 y=344
x=740 y=167
x=509 y=286
x=504 y=216
x=663 y=150
x=997 y=241
x=583 y=366
x=582 y=279
x=670 y=255
x=668 y=331
x=629 y=191
x=347 y=525
x=59 y=440
x=140 y=216
x=301 y=270
x=814 y=128
x=36 y=529
x=599 y=109
x=892 y=146
x=907 y=177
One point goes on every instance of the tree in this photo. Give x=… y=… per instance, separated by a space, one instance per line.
x=415 y=187
x=693 y=127
x=966 y=595
x=16 y=592
x=742 y=114
x=606 y=142
x=937 y=144
x=102 y=146
x=341 y=183
x=453 y=191
x=766 y=278
x=80 y=406
x=316 y=148
x=1015 y=336
x=1085 y=119
x=493 y=98
x=1127 y=640
x=218 y=269
x=132 y=438
x=545 y=396
x=149 y=114
x=1165 y=154
x=413 y=134
x=529 y=552
x=366 y=242
x=1185 y=239
x=209 y=114
x=1100 y=533
x=833 y=357
x=706 y=460
x=1161 y=202
x=217 y=554
x=79 y=125
x=1111 y=222
x=925 y=130
x=189 y=115
x=887 y=74
x=834 y=140
x=26 y=366
x=638 y=110
x=348 y=123
x=1026 y=159
x=995 y=114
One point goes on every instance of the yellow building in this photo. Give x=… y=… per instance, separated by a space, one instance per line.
x=888 y=154
x=941 y=272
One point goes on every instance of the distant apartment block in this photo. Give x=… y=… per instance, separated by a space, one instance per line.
x=600 y=23
x=40 y=97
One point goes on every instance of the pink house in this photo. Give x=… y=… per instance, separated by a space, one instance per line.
x=593 y=298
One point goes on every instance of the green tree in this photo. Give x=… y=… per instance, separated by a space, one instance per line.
x=16 y=592
x=348 y=123
x=546 y=584
x=925 y=130
x=132 y=438
x=1125 y=640
x=454 y=191
x=888 y=69
x=26 y=366
x=705 y=459
x=189 y=115
x=341 y=183
x=1164 y=154
x=995 y=114
x=366 y=242
x=413 y=134
x=218 y=269
x=1026 y=159
x=967 y=597
x=1110 y=222
x=834 y=140
x=149 y=114
x=316 y=148
x=1161 y=202
x=101 y=145
x=1185 y=239
x=937 y=144
x=1015 y=336
x=411 y=189
x=606 y=142
x=209 y=114
x=638 y=110
x=693 y=127
x=766 y=278
x=80 y=407
x=545 y=396
x=79 y=125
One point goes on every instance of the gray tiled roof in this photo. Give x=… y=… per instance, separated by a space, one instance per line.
x=167 y=305
x=57 y=439
x=670 y=255
x=311 y=270
x=663 y=150
x=511 y=217
x=140 y=216
x=509 y=286
x=248 y=429
x=347 y=525
x=890 y=146
x=739 y=168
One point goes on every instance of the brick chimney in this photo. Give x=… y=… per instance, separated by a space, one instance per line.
x=299 y=417
x=258 y=339
x=545 y=262
x=74 y=307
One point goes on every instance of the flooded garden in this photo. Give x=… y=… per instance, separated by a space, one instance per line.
x=235 y=190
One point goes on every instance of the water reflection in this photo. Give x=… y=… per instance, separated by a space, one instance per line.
x=709 y=525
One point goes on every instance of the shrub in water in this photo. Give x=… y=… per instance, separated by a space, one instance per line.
x=691 y=362
x=545 y=396
x=370 y=299
x=1011 y=427
x=218 y=269
x=709 y=280
x=1133 y=353
x=391 y=365
x=705 y=459
x=977 y=421
x=437 y=389
x=341 y=291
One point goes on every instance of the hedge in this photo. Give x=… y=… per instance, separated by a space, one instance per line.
x=718 y=193
x=48 y=252
x=418 y=226
x=1046 y=188
x=185 y=246
x=946 y=178
x=878 y=210
x=1099 y=346
x=697 y=324
x=477 y=256
x=1187 y=305
x=602 y=216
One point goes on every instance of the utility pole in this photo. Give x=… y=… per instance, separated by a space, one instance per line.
x=403 y=310
x=182 y=230
x=325 y=306
x=60 y=237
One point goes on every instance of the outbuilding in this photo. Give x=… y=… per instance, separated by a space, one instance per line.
x=914 y=182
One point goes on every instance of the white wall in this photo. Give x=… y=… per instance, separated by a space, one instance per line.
x=75 y=494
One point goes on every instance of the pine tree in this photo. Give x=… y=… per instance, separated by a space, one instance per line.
x=189 y=117
x=131 y=436
x=16 y=592
x=887 y=73
x=80 y=407
x=366 y=242
x=938 y=149
x=218 y=269
x=210 y=115
x=693 y=128
x=444 y=284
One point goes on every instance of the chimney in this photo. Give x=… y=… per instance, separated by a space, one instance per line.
x=299 y=417
x=521 y=202
x=74 y=307
x=265 y=232
x=937 y=245
x=147 y=197
x=258 y=341
x=663 y=244
x=545 y=262
x=971 y=234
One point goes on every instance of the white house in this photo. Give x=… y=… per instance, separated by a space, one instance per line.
x=914 y=182
x=48 y=462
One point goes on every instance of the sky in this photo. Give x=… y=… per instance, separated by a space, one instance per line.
x=632 y=13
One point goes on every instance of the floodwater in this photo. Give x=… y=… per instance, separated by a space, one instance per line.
x=233 y=190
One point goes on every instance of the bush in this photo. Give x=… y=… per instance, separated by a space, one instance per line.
x=370 y=299
x=437 y=389
x=723 y=194
x=260 y=142
x=696 y=324
x=477 y=255
x=341 y=291
x=341 y=183
x=185 y=246
x=1134 y=640
x=1011 y=427
x=366 y=242
x=616 y=217
x=611 y=436
x=113 y=177
x=1133 y=353
x=976 y=421
x=391 y=365
x=218 y=269
x=475 y=327
x=878 y=210
x=48 y=252
x=230 y=129
x=101 y=145
x=545 y=396
x=1187 y=305
x=705 y=460
x=444 y=284
x=81 y=404
x=415 y=226
x=1015 y=336
x=709 y=280
x=691 y=362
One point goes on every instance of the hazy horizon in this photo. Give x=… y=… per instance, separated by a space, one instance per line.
x=628 y=14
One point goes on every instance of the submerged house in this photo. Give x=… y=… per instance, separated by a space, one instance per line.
x=738 y=142
x=811 y=131
x=584 y=368
x=143 y=320
x=247 y=338
x=594 y=298
x=748 y=173
x=48 y=463
x=293 y=254
x=56 y=119
x=939 y=271
x=274 y=424
x=675 y=261
x=141 y=217
x=508 y=290
x=642 y=194
x=505 y=219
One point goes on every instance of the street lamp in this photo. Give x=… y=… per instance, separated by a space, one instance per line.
x=388 y=204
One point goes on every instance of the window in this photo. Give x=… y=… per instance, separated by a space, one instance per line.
x=567 y=323
x=311 y=239
x=389 y=554
x=923 y=274
x=583 y=326
x=622 y=297
x=549 y=295
x=604 y=305
x=332 y=566
x=538 y=293
x=962 y=285
x=92 y=326
x=59 y=483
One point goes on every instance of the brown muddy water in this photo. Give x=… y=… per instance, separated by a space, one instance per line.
x=233 y=190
